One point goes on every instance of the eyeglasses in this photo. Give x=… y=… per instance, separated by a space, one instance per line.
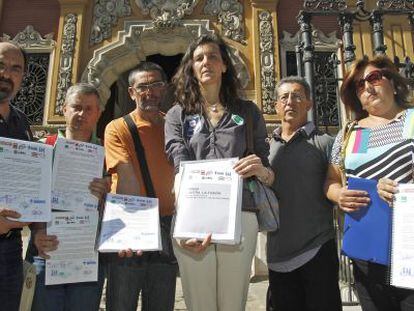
x=142 y=88
x=374 y=78
x=295 y=97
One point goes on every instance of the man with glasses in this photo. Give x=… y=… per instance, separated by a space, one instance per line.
x=153 y=274
x=302 y=256
x=13 y=124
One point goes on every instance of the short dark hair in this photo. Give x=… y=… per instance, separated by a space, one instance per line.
x=145 y=67
x=390 y=71
x=294 y=79
x=187 y=88
x=82 y=88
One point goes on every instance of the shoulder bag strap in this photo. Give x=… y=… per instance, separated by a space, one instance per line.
x=249 y=132
x=139 y=150
x=346 y=134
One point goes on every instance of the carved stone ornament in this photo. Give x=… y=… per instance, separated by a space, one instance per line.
x=325 y=5
x=406 y=5
x=105 y=16
x=319 y=40
x=66 y=60
x=230 y=15
x=166 y=13
x=267 y=62
x=140 y=39
x=30 y=38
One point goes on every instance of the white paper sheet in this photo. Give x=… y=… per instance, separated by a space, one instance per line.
x=75 y=165
x=75 y=259
x=25 y=183
x=130 y=222
x=209 y=201
x=402 y=249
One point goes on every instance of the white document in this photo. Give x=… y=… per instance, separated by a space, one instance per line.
x=75 y=165
x=130 y=222
x=25 y=183
x=209 y=201
x=402 y=248
x=75 y=259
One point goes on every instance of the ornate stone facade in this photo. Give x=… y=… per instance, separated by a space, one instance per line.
x=66 y=60
x=142 y=38
x=267 y=62
x=230 y=15
x=167 y=13
x=30 y=38
x=105 y=16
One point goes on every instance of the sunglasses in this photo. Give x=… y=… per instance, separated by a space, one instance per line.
x=374 y=78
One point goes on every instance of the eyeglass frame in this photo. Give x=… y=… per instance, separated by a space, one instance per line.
x=149 y=86
x=296 y=98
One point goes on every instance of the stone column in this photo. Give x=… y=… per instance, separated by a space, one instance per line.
x=66 y=63
x=266 y=54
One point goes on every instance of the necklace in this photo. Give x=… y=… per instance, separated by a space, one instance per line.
x=213 y=108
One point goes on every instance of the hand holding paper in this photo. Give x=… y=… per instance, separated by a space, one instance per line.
x=99 y=187
x=6 y=224
x=351 y=200
x=195 y=245
x=129 y=253
x=387 y=188
x=45 y=243
x=249 y=166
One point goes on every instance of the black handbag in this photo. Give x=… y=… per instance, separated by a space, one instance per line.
x=262 y=200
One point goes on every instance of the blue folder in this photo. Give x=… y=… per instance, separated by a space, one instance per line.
x=367 y=231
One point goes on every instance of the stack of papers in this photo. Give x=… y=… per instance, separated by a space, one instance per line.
x=402 y=249
x=26 y=178
x=130 y=222
x=75 y=223
x=209 y=201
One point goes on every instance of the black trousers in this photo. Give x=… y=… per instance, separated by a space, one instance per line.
x=373 y=290
x=11 y=272
x=312 y=287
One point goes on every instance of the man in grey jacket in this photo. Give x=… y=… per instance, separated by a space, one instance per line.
x=302 y=256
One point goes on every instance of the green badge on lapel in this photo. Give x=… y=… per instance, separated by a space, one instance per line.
x=237 y=119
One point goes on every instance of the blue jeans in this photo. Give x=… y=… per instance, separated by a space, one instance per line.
x=11 y=272
x=64 y=297
x=128 y=277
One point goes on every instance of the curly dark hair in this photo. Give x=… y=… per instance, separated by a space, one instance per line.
x=187 y=89
x=348 y=88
